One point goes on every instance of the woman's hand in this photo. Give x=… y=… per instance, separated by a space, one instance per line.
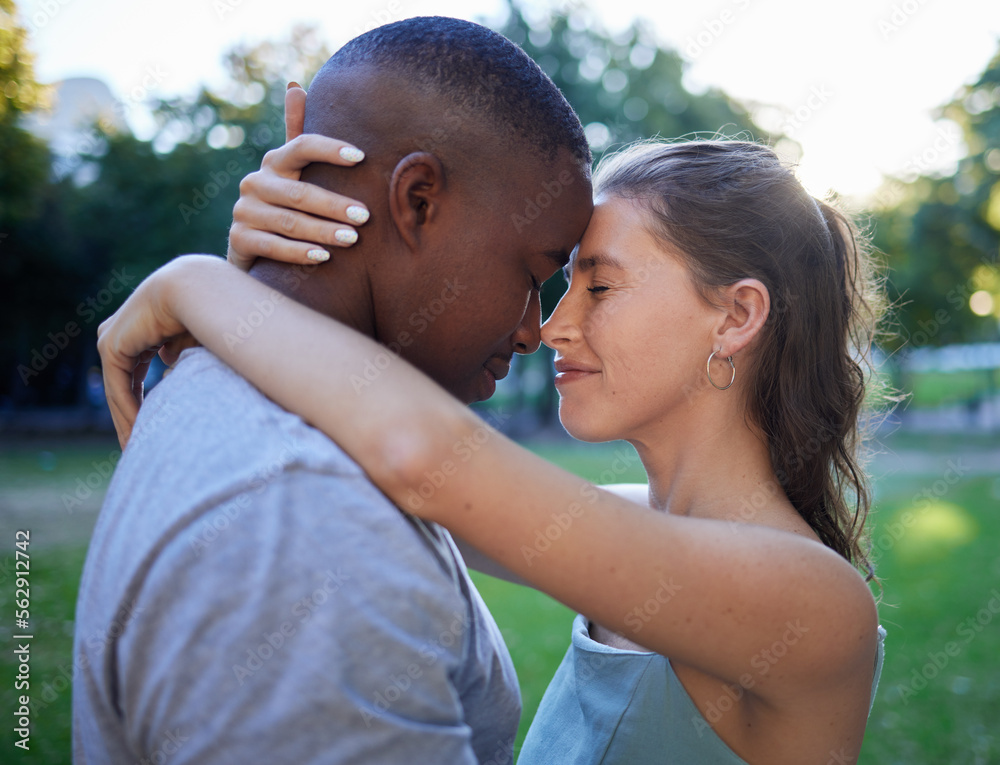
x=278 y=216
x=130 y=338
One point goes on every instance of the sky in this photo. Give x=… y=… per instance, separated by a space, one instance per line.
x=856 y=82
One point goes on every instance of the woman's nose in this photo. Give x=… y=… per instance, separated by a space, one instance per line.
x=559 y=328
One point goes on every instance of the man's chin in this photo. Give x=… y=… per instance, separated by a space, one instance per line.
x=481 y=387
x=469 y=391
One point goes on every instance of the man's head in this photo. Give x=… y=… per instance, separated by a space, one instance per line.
x=477 y=173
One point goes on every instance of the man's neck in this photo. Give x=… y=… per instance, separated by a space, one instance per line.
x=335 y=289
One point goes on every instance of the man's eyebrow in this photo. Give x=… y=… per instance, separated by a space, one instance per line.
x=559 y=257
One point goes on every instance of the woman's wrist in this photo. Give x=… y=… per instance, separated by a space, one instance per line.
x=183 y=283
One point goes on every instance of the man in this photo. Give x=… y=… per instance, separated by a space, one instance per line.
x=249 y=596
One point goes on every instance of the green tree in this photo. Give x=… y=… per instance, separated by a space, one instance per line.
x=942 y=234
x=24 y=171
x=143 y=202
x=623 y=86
x=25 y=160
x=131 y=206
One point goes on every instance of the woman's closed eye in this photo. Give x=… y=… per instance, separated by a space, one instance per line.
x=597 y=290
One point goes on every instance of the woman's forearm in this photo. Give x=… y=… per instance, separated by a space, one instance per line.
x=377 y=407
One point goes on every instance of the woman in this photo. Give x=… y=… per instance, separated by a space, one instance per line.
x=710 y=319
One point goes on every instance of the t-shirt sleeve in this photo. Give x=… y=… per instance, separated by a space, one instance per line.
x=315 y=625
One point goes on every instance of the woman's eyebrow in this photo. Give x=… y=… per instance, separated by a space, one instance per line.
x=596 y=259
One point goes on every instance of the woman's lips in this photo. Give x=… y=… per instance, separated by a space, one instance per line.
x=562 y=378
x=568 y=371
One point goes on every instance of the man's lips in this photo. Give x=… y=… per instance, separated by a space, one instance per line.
x=498 y=367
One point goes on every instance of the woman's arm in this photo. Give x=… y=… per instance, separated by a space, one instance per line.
x=709 y=594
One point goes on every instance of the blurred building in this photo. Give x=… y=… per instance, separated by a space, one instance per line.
x=81 y=107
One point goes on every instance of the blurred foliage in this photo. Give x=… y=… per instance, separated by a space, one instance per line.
x=87 y=232
x=78 y=232
x=20 y=93
x=124 y=206
x=942 y=234
x=24 y=168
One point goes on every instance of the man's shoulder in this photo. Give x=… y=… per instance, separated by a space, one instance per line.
x=205 y=428
x=214 y=459
x=207 y=404
x=210 y=452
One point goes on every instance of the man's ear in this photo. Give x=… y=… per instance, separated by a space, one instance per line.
x=415 y=193
x=746 y=305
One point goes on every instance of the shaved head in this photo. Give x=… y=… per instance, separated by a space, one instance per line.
x=472 y=74
x=477 y=176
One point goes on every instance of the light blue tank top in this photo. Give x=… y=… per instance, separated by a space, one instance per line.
x=607 y=705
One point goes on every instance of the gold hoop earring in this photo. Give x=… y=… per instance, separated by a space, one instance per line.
x=708 y=369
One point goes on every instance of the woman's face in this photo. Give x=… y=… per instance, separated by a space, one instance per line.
x=631 y=334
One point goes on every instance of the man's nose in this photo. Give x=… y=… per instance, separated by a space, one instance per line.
x=527 y=336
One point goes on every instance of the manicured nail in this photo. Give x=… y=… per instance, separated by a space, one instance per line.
x=351 y=154
x=357 y=214
x=318 y=256
x=346 y=236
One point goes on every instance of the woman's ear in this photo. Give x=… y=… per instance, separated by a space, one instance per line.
x=416 y=189
x=746 y=305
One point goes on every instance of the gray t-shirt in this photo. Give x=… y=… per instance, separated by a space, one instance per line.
x=250 y=597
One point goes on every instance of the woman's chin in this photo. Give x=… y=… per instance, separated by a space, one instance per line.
x=586 y=429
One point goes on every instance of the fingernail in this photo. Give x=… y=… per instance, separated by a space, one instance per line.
x=318 y=256
x=357 y=214
x=346 y=236
x=351 y=154
x=292 y=84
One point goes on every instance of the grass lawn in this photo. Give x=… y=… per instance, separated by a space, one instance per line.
x=932 y=389
x=936 y=528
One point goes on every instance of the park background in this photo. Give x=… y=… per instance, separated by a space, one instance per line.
x=106 y=173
